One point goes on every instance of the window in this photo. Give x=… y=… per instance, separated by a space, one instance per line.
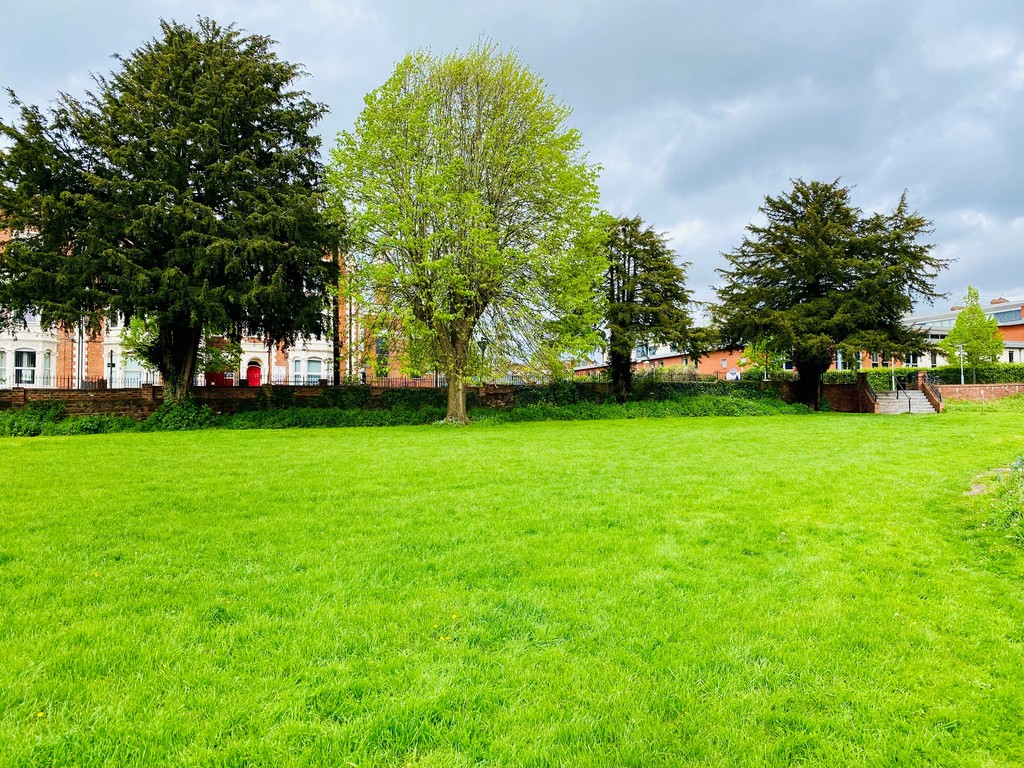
x=839 y=360
x=874 y=359
x=912 y=361
x=297 y=372
x=1010 y=353
x=935 y=359
x=1008 y=316
x=47 y=370
x=24 y=367
x=313 y=368
x=725 y=363
x=3 y=367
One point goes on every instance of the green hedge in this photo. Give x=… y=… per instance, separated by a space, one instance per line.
x=988 y=373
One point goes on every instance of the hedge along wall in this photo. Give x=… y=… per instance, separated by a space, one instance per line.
x=139 y=403
x=988 y=373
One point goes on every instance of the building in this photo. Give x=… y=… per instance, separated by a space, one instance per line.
x=938 y=325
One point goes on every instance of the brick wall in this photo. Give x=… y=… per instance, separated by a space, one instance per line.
x=843 y=398
x=979 y=391
x=139 y=403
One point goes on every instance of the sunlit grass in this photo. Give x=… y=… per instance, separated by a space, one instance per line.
x=769 y=591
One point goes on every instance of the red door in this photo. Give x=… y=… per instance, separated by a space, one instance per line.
x=253 y=375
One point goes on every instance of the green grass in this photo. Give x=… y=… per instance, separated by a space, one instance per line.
x=810 y=590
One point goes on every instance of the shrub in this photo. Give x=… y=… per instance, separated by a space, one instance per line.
x=343 y=397
x=30 y=420
x=90 y=425
x=179 y=416
x=1008 y=505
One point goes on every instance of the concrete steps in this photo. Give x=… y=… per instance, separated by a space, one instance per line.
x=911 y=401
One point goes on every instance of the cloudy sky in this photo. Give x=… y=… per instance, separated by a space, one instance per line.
x=695 y=110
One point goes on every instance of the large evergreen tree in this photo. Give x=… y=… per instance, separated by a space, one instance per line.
x=465 y=190
x=974 y=336
x=185 y=189
x=818 y=275
x=645 y=290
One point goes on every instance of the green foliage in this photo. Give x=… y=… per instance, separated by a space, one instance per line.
x=32 y=419
x=465 y=192
x=679 y=404
x=179 y=415
x=344 y=397
x=977 y=335
x=414 y=398
x=819 y=276
x=331 y=417
x=764 y=358
x=645 y=295
x=185 y=190
x=90 y=425
x=1008 y=505
x=645 y=388
x=880 y=378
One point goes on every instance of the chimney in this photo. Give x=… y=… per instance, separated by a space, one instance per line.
x=1000 y=300
x=955 y=308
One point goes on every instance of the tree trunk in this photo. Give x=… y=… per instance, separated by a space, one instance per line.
x=622 y=373
x=808 y=387
x=457 y=412
x=457 y=359
x=179 y=350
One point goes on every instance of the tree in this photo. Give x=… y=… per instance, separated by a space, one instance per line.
x=978 y=335
x=645 y=291
x=701 y=342
x=762 y=362
x=464 y=190
x=819 y=276
x=185 y=190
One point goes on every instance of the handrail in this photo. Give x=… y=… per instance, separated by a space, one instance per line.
x=900 y=385
x=932 y=392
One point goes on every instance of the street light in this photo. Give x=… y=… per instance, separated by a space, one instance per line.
x=960 y=354
x=482 y=342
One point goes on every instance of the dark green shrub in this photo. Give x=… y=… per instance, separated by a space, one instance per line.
x=179 y=416
x=90 y=425
x=415 y=398
x=30 y=420
x=345 y=397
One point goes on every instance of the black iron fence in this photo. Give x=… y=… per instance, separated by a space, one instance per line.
x=231 y=379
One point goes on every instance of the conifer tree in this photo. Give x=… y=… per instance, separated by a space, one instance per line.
x=184 y=190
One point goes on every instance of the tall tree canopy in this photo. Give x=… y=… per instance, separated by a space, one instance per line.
x=645 y=290
x=465 y=189
x=185 y=189
x=974 y=337
x=819 y=276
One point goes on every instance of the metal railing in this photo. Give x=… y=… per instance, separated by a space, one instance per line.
x=901 y=386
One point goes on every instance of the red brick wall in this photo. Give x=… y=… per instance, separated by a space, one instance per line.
x=979 y=391
x=844 y=398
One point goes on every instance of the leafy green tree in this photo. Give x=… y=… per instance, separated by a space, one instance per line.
x=978 y=335
x=762 y=361
x=185 y=190
x=645 y=293
x=818 y=275
x=464 y=189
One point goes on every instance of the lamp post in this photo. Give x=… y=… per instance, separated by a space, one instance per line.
x=482 y=342
x=960 y=354
x=110 y=377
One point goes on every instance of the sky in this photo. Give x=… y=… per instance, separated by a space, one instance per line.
x=694 y=110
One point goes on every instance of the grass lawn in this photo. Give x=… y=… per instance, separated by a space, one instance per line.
x=811 y=590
